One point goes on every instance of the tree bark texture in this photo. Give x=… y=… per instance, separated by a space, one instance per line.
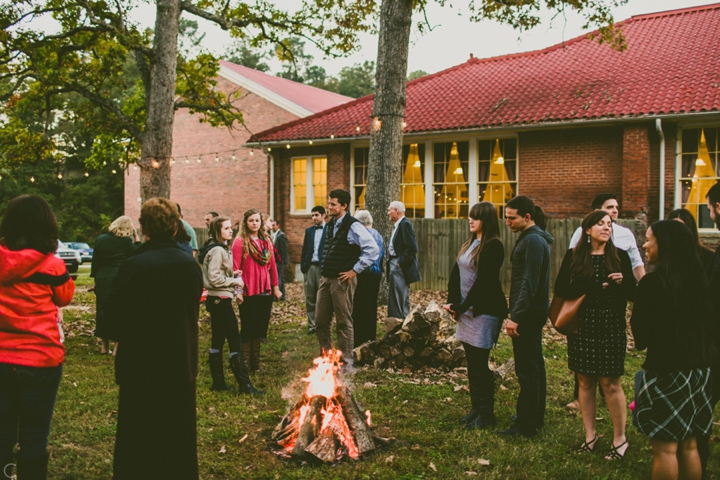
x=156 y=143
x=385 y=157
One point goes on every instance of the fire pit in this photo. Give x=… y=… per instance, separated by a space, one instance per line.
x=326 y=423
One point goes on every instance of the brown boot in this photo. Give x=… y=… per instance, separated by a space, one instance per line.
x=246 y=350
x=255 y=355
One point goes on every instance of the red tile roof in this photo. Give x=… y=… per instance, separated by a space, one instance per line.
x=310 y=98
x=671 y=66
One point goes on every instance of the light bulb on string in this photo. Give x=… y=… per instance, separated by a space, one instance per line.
x=134 y=167
x=287 y=146
x=199 y=159
x=332 y=136
x=114 y=171
x=87 y=174
x=269 y=149
x=309 y=142
x=32 y=179
x=155 y=164
x=172 y=161
x=252 y=153
x=59 y=176
x=404 y=124
x=187 y=160
x=357 y=129
x=233 y=155
x=217 y=159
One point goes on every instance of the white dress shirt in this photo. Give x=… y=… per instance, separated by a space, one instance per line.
x=623 y=239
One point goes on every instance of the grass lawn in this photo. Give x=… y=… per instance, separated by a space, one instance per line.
x=419 y=410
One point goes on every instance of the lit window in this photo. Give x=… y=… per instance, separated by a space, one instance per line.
x=412 y=188
x=699 y=171
x=309 y=184
x=497 y=171
x=361 y=171
x=450 y=162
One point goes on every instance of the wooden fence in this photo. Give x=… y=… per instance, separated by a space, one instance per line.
x=440 y=240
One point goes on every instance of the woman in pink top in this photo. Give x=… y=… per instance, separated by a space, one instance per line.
x=253 y=255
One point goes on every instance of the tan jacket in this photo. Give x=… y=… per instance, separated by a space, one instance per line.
x=217 y=271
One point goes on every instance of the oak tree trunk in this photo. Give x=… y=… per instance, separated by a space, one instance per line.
x=156 y=142
x=385 y=157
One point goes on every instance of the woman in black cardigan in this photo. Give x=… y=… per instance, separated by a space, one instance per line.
x=596 y=268
x=476 y=300
x=672 y=319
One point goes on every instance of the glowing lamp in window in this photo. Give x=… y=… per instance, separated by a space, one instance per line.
x=455 y=189
x=703 y=178
x=500 y=190
x=412 y=190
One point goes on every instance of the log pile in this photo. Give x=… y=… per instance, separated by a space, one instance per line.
x=426 y=338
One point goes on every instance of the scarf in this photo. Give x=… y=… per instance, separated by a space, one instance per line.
x=261 y=257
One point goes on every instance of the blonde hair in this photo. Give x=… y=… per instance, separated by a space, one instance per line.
x=122 y=227
x=245 y=232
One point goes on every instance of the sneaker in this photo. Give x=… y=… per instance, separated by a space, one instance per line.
x=574 y=405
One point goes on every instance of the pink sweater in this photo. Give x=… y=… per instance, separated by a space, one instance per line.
x=258 y=278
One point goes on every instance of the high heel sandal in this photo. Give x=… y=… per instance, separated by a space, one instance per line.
x=588 y=447
x=614 y=454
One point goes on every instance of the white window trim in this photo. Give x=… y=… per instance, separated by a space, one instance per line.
x=309 y=187
x=678 y=170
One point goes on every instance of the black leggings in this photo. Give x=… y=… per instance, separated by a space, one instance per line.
x=255 y=316
x=480 y=377
x=223 y=324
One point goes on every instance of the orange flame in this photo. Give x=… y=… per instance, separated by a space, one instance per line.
x=322 y=380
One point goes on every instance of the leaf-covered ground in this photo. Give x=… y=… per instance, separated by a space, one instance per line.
x=420 y=411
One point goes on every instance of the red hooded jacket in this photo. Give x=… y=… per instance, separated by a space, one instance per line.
x=32 y=287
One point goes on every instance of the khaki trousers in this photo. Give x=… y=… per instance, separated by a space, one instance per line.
x=336 y=297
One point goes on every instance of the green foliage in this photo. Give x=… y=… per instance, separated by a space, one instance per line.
x=358 y=80
x=416 y=74
x=242 y=54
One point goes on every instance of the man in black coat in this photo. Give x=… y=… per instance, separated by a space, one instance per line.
x=153 y=314
x=402 y=267
x=713 y=275
x=310 y=262
x=280 y=241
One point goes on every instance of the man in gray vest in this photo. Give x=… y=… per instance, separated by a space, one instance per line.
x=348 y=249
x=402 y=269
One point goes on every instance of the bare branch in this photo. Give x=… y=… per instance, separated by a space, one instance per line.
x=224 y=23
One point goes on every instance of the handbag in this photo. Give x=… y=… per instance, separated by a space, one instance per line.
x=563 y=314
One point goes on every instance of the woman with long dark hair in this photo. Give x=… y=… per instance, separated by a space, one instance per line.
x=476 y=300
x=683 y=215
x=111 y=250
x=34 y=284
x=253 y=255
x=672 y=320
x=221 y=282
x=597 y=269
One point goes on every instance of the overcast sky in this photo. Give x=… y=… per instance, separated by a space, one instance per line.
x=454 y=37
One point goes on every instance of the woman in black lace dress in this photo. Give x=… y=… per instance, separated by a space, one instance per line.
x=596 y=268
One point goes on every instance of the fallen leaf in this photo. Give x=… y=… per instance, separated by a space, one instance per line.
x=433 y=467
x=390 y=459
x=471 y=473
x=285 y=353
x=483 y=462
x=415 y=447
x=222 y=449
x=448 y=399
x=243 y=438
x=369 y=385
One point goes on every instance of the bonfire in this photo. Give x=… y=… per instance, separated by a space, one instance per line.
x=326 y=423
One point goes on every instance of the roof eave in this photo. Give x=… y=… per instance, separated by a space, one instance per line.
x=680 y=117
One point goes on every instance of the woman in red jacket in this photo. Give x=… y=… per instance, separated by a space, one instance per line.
x=252 y=253
x=33 y=284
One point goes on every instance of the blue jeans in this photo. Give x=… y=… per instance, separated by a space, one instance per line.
x=530 y=370
x=27 y=399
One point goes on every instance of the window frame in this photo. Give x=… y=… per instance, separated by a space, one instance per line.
x=679 y=179
x=309 y=184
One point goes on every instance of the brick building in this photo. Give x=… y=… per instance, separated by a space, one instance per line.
x=240 y=178
x=560 y=125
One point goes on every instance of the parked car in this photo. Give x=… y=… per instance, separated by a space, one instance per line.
x=86 y=253
x=71 y=257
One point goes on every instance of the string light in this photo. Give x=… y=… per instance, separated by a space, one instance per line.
x=217 y=159
x=187 y=160
x=199 y=159
x=309 y=142
x=135 y=167
x=87 y=174
x=287 y=146
x=332 y=135
x=252 y=153
x=357 y=129
x=114 y=171
x=32 y=179
x=60 y=176
x=377 y=123
x=233 y=155
x=269 y=149
x=404 y=124
x=155 y=164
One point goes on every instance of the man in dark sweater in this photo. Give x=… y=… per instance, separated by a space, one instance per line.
x=529 y=302
x=348 y=249
x=280 y=241
x=713 y=275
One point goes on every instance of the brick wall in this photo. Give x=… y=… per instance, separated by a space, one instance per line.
x=338 y=165
x=636 y=172
x=227 y=187
x=563 y=170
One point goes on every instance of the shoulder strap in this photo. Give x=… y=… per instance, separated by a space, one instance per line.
x=47 y=279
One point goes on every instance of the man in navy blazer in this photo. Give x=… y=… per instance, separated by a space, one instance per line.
x=310 y=262
x=402 y=269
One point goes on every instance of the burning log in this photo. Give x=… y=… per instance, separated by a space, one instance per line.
x=425 y=339
x=327 y=422
x=356 y=421
x=309 y=425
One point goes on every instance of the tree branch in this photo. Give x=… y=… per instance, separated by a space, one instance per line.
x=222 y=22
